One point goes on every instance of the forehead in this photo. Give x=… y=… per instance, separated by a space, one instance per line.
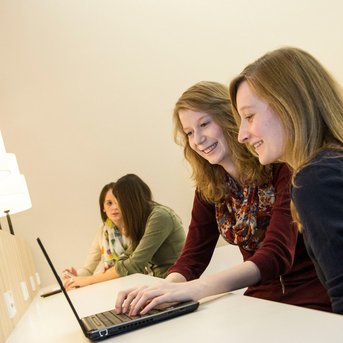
x=244 y=93
x=246 y=98
x=187 y=116
x=109 y=195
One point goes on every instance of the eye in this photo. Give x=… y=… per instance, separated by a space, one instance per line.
x=204 y=124
x=249 y=117
x=188 y=133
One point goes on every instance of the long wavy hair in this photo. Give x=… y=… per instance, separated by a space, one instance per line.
x=135 y=201
x=213 y=99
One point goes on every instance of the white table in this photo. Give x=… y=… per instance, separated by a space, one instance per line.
x=229 y=317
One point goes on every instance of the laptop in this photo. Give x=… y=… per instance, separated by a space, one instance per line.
x=106 y=324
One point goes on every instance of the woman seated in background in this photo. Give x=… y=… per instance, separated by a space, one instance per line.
x=108 y=243
x=246 y=203
x=147 y=237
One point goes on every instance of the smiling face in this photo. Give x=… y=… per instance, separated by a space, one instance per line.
x=206 y=138
x=260 y=126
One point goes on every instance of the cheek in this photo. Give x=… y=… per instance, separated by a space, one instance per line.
x=281 y=137
x=276 y=137
x=191 y=144
x=268 y=128
x=277 y=130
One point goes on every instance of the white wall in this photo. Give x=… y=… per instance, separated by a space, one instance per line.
x=87 y=88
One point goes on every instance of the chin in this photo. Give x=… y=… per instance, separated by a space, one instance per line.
x=209 y=160
x=264 y=160
x=268 y=160
x=215 y=160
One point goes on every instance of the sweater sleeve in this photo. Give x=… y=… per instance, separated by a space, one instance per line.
x=94 y=255
x=158 y=228
x=275 y=257
x=318 y=197
x=200 y=242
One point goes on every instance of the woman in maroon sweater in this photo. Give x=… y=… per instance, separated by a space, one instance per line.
x=248 y=204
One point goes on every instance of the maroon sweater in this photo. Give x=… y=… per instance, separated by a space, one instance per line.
x=287 y=272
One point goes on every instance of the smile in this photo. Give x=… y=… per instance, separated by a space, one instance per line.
x=257 y=145
x=210 y=148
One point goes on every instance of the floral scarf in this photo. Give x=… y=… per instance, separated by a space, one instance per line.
x=244 y=213
x=113 y=244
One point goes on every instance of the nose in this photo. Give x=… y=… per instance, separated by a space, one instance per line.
x=243 y=135
x=198 y=137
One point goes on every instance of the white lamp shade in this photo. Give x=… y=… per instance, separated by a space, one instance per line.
x=8 y=165
x=14 y=195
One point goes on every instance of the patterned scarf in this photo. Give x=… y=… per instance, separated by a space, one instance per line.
x=113 y=244
x=244 y=213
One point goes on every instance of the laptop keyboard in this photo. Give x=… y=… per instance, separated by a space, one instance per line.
x=109 y=318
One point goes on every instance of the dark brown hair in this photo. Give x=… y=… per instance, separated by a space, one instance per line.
x=135 y=201
x=102 y=197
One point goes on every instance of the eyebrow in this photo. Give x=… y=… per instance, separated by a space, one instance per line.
x=201 y=118
x=247 y=107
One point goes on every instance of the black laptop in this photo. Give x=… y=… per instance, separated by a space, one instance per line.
x=106 y=324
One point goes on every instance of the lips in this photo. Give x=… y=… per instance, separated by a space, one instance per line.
x=257 y=144
x=210 y=148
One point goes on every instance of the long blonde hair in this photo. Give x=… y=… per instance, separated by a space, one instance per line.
x=213 y=99
x=307 y=98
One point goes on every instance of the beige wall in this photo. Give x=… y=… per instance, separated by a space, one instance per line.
x=87 y=88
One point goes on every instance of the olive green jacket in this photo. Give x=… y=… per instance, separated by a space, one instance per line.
x=159 y=247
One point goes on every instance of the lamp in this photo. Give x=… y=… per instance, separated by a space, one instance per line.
x=14 y=194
